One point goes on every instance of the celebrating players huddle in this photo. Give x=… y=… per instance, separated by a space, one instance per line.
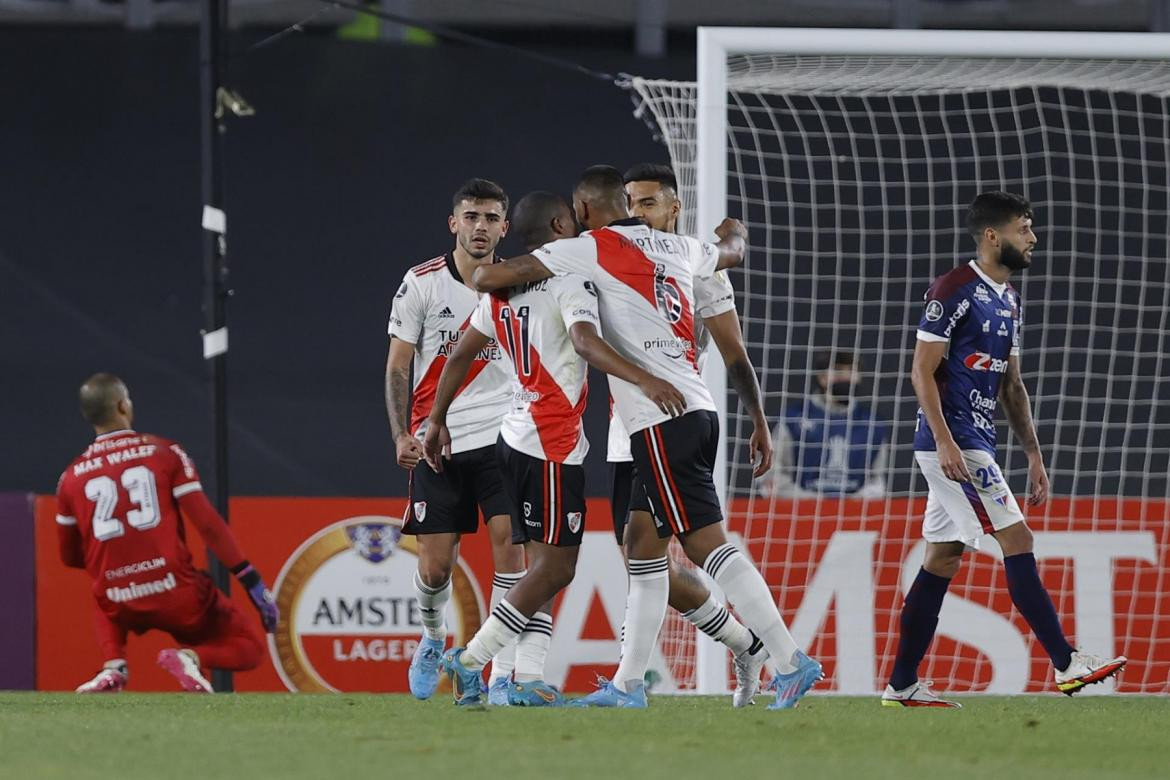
x=492 y=424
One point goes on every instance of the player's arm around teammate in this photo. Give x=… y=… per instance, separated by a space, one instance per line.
x=732 y=248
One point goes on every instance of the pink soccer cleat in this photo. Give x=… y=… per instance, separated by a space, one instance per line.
x=108 y=680
x=183 y=665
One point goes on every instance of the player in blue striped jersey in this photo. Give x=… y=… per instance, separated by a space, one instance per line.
x=966 y=362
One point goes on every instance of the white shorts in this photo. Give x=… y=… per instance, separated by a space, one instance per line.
x=965 y=511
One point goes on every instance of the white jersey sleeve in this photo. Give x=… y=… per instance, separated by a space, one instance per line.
x=408 y=311
x=569 y=255
x=703 y=256
x=714 y=296
x=577 y=298
x=481 y=318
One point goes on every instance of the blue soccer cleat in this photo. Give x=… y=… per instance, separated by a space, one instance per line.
x=498 y=692
x=424 y=668
x=608 y=695
x=534 y=693
x=792 y=686
x=466 y=684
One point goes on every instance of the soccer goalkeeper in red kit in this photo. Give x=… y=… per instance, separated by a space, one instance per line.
x=118 y=517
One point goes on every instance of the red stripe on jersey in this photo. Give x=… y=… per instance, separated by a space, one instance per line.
x=624 y=261
x=558 y=422
x=425 y=388
x=429 y=265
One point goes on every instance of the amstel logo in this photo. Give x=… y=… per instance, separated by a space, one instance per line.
x=348 y=614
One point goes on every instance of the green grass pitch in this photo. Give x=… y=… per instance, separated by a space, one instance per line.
x=128 y=736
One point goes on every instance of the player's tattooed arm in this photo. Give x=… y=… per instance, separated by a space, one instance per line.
x=728 y=336
x=1017 y=406
x=510 y=273
x=732 y=244
x=928 y=355
x=398 y=360
x=437 y=440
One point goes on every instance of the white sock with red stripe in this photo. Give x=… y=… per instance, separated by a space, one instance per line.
x=645 y=611
x=532 y=648
x=747 y=591
x=500 y=629
x=713 y=619
x=431 y=606
x=504 y=661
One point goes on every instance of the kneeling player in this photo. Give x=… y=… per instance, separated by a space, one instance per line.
x=546 y=328
x=118 y=518
x=966 y=361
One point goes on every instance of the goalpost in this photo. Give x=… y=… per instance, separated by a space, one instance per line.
x=852 y=156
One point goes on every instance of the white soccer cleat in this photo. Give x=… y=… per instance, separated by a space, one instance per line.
x=108 y=680
x=183 y=665
x=917 y=695
x=1087 y=669
x=747 y=673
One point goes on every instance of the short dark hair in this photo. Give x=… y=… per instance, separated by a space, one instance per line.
x=994 y=209
x=533 y=214
x=99 y=396
x=663 y=174
x=834 y=358
x=602 y=182
x=479 y=189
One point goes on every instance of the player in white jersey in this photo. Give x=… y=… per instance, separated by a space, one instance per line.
x=645 y=282
x=653 y=194
x=549 y=330
x=429 y=316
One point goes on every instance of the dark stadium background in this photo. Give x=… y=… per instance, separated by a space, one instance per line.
x=340 y=183
x=343 y=180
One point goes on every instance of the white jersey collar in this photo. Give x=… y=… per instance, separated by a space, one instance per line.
x=997 y=286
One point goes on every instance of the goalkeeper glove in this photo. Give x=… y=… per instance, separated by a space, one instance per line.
x=259 y=593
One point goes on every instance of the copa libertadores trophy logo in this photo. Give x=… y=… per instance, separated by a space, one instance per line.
x=348 y=615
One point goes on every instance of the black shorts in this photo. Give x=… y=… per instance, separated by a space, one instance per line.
x=450 y=502
x=548 y=499
x=675 y=459
x=626 y=495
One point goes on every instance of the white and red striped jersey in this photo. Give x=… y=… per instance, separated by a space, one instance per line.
x=713 y=297
x=645 y=279
x=431 y=310
x=549 y=377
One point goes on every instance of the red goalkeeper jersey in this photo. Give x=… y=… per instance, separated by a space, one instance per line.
x=122 y=494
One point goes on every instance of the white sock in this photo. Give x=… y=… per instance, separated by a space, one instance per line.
x=532 y=648
x=713 y=619
x=645 y=610
x=504 y=661
x=432 y=603
x=747 y=591
x=501 y=628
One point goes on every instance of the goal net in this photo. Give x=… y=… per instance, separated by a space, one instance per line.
x=852 y=157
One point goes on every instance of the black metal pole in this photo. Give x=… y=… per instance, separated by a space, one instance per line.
x=212 y=21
